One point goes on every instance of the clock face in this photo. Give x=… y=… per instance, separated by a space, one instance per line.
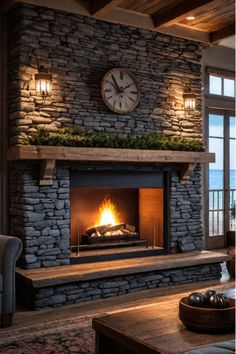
x=120 y=90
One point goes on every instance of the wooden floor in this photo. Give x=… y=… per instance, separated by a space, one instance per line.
x=38 y=278
x=25 y=318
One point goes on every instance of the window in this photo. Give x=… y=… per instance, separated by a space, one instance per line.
x=222 y=86
x=232 y=172
x=215 y=85
x=216 y=175
x=221 y=139
x=221 y=174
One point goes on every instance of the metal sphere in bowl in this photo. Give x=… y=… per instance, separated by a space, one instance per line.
x=196 y=299
x=219 y=301
x=207 y=296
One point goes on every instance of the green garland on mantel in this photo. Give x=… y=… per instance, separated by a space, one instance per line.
x=75 y=137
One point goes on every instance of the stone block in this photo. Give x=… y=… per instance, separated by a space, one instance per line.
x=30 y=258
x=109 y=284
x=53 y=300
x=188 y=247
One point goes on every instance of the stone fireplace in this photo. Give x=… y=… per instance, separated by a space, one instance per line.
x=58 y=195
x=157 y=212
x=163 y=212
x=50 y=219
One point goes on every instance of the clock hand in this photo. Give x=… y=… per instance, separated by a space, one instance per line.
x=110 y=82
x=115 y=82
x=128 y=85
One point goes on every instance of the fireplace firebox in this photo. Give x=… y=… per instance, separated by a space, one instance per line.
x=117 y=212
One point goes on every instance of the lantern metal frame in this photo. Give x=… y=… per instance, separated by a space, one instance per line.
x=43 y=82
x=189 y=99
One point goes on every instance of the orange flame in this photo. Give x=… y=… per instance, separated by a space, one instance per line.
x=108 y=212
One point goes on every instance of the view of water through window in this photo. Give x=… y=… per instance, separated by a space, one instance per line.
x=217 y=182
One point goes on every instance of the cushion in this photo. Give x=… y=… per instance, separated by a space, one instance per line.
x=227 y=347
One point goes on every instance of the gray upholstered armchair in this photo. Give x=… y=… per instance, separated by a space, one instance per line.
x=10 y=250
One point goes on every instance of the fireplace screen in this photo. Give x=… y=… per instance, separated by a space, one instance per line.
x=103 y=218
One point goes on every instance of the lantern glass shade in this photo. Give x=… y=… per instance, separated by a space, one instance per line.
x=43 y=84
x=189 y=101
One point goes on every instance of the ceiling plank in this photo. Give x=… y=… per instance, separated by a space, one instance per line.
x=6 y=5
x=171 y=15
x=222 y=33
x=102 y=7
x=140 y=20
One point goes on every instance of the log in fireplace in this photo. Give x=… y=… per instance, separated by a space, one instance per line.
x=118 y=210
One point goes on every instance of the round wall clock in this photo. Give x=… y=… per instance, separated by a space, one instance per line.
x=120 y=90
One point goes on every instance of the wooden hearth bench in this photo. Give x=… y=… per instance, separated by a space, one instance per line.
x=61 y=285
x=49 y=154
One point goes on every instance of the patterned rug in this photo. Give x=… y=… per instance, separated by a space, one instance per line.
x=58 y=337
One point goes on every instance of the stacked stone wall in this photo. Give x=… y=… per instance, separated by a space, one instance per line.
x=40 y=216
x=186 y=233
x=78 y=51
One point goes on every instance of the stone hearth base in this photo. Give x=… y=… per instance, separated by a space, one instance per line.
x=73 y=284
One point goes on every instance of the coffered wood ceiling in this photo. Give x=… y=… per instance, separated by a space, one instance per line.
x=214 y=19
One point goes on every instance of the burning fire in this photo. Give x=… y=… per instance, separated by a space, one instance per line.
x=108 y=212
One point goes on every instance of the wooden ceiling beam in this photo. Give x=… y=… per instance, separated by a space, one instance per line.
x=222 y=33
x=100 y=8
x=172 y=15
x=6 y=5
x=73 y=6
x=187 y=33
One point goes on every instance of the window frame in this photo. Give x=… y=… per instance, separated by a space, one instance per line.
x=213 y=104
x=223 y=74
x=219 y=241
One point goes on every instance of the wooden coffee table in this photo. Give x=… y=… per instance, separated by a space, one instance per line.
x=148 y=330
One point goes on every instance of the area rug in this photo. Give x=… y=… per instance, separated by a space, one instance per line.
x=63 y=336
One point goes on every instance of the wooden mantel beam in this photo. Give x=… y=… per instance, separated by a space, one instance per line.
x=31 y=152
x=169 y=16
x=49 y=154
x=222 y=33
x=101 y=7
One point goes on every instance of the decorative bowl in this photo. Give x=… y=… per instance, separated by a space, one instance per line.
x=207 y=320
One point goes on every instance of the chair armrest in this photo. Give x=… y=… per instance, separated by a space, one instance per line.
x=10 y=250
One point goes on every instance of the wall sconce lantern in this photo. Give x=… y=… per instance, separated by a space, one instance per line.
x=43 y=82
x=189 y=99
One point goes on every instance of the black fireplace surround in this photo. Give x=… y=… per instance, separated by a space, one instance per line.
x=142 y=197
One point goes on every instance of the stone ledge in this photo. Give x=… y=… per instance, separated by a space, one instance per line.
x=41 y=278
